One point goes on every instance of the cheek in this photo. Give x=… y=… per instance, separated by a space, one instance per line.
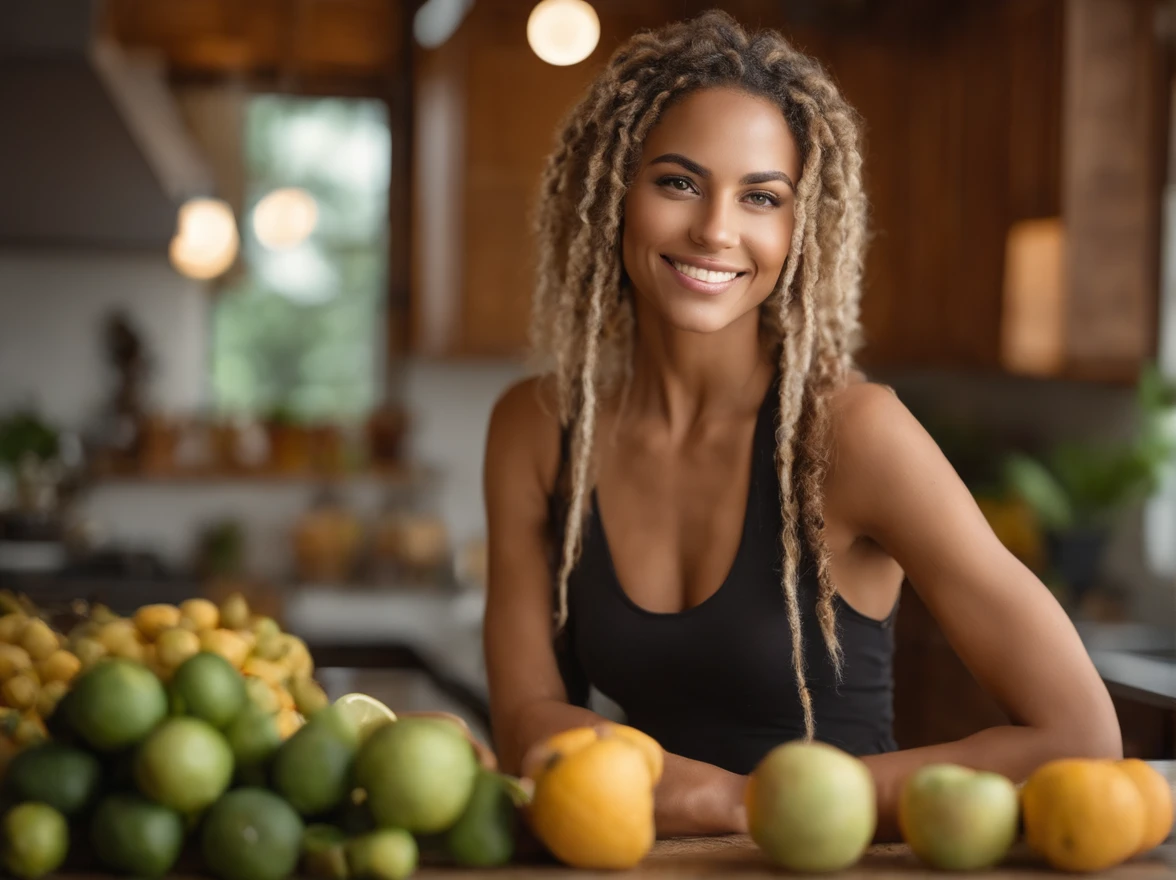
x=649 y=222
x=770 y=245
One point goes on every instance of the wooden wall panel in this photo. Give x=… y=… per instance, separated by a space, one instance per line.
x=1114 y=124
x=963 y=114
x=512 y=103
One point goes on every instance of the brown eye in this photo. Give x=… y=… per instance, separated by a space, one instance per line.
x=763 y=200
x=678 y=184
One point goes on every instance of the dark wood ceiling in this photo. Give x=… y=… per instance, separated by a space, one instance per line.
x=302 y=45
x=356 y=46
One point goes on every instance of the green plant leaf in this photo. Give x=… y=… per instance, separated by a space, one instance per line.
x=26 y=434
x=1029 y=479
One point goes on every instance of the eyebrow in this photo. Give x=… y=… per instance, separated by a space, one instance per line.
x=747 y=179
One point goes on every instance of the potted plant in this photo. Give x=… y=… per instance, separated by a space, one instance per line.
x=1077 y=490
x=29 y=449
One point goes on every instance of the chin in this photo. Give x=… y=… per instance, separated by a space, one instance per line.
x=697 y=317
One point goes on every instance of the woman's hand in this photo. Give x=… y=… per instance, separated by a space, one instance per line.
x=486 y=757
x=735 y=791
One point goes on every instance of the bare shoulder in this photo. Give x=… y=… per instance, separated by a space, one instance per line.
x=865 y=413
x=874 y=439
x=523 y=437
x=881 y=457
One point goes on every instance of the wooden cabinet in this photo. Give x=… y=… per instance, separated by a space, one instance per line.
x=936 y=698
x=978 y=116
x=1017 y=110
x=1114 y=131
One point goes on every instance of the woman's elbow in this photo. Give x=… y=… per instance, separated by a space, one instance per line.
x=1097 y=737
x=1101 y=741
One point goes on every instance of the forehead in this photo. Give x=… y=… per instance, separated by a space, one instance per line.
x=728 y=131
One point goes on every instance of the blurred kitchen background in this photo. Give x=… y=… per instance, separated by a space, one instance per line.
x=265 y=266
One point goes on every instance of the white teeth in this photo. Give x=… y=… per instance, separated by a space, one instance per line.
x=703 y=274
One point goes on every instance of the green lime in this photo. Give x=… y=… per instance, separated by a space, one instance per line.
x=484 y=836
x=251 y=834
x=385 y=854
x=185 y=764
x=36 y=840
x=312 y=769
x=253 y=736
x=116 y=703
x=418 y=774
x=323 y=853
x=64 y=777
x=207 y=686
x=131 y=835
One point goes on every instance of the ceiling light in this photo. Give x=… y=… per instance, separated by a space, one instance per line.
x=563 y=32
x=285 y=218
x=206 y=240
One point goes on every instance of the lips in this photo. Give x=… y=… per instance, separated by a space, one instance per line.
x=699 y=285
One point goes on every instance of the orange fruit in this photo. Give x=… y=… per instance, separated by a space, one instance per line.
x=1083 y=814
x=654 y=754
x=1156 y=792
x=593 y=801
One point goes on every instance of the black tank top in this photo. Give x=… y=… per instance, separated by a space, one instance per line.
x=715 y=682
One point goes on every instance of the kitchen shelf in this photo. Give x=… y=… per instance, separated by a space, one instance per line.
x=405 y=476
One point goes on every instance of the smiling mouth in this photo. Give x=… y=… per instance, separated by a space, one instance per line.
x=706 y=276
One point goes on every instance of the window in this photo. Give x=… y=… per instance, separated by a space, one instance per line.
x=299 y=332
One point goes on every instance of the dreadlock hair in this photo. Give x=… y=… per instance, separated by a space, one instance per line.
x=582 y=322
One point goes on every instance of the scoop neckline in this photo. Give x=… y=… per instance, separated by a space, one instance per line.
x=740 y=550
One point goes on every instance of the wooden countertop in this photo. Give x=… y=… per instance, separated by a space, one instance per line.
x=738 y=856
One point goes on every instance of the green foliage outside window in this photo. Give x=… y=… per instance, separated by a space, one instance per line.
x=300 y=330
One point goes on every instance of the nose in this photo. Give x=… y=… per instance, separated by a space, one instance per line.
x=714 y=227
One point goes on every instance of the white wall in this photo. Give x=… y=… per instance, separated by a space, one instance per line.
x=52 y=305
x=450 y=407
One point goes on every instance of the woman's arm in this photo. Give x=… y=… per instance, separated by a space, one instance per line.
x=528 y=701
x=894 y=486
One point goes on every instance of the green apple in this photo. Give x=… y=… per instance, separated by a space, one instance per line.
x=956 y=818
x=811 y=807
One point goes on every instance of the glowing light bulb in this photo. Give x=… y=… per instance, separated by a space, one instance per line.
x=563 y=32
x=206 y=241
x=285 y=218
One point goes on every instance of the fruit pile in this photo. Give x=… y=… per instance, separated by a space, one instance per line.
x=198 y=733
x=38 y=664
x=195 y=738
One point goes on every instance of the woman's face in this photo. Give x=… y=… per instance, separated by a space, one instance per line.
x=709 y=216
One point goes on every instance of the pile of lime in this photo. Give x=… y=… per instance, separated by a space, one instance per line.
x=140 y=771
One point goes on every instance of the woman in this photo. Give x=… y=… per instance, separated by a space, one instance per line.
x=746 y=506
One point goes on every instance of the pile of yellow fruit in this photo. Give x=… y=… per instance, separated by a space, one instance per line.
x=38 y=664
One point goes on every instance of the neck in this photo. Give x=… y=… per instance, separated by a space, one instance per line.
x=684 y=377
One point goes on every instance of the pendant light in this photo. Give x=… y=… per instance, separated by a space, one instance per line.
x=563 y=32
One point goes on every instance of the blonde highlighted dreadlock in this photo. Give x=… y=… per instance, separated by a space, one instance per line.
x=582 y=319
